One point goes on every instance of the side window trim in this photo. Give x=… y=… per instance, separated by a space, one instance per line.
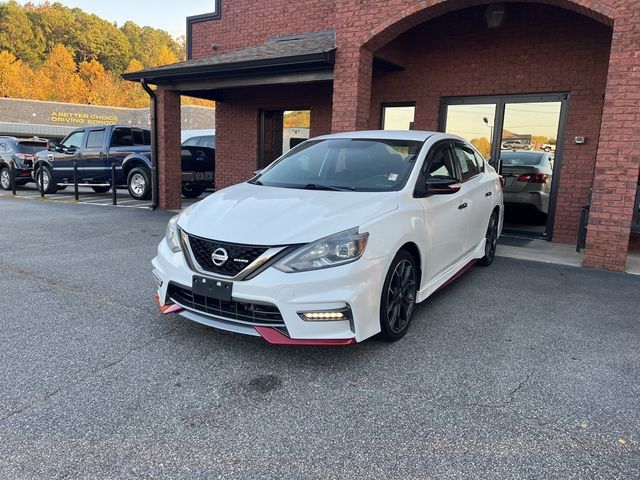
x=456 y=159
x=89 y=132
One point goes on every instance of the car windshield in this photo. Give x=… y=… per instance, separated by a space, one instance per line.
x=367 y=165
x=521 y=158
x=31 y=146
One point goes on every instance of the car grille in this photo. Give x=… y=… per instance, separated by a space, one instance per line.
x=240 y=256
x=241 y=312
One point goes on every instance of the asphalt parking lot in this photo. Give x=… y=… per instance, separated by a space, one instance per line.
x=521 y=370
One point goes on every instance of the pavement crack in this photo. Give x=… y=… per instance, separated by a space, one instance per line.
x=87 y=377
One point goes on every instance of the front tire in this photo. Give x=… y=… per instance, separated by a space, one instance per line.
x=491 y=241
x=138 y=184
x=398 y=297
x=5 y=178
x=47 y=183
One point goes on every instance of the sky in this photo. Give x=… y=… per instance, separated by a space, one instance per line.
x=168 y=15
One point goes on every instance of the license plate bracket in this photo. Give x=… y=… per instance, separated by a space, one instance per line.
x=212 y=288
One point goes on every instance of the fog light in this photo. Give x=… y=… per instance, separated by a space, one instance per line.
x=326 y=315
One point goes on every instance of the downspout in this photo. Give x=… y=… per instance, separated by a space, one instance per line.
x=154 y=145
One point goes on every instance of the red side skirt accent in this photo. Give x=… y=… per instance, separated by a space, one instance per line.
x=274 y=337
x=168 y=307
x=457 y=275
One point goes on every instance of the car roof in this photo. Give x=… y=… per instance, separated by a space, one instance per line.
x=416 y=135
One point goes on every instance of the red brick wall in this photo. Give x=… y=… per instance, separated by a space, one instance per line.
x=169 y=165
x=237 y=123
x=456 y=55
x=248 y=22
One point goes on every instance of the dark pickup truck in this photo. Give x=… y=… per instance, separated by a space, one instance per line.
x=129 y=148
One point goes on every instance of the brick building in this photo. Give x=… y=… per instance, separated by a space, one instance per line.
x=564 y=73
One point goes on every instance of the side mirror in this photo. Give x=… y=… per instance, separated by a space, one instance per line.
x=52 y=146
x=442 y=186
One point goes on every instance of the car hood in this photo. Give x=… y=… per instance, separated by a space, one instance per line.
x=261 y=215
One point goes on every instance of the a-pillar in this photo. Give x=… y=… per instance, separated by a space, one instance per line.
x=351 y=89
x=169 y=149
x=618 y=158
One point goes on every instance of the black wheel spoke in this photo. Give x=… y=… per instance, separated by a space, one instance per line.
x=401 y=295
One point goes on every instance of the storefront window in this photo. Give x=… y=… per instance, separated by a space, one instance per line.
x=398 y=117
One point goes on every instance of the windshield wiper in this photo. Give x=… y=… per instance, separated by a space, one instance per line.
x=317 y=186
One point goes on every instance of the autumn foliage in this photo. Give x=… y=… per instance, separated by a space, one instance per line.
x=55 y=53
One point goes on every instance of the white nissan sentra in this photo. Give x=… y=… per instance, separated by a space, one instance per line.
x=335 y=241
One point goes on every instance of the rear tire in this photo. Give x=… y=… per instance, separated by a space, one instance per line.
x=192 y=191
x=50 y=186
x=101 y=189
x=491 y=242
x=398 y=297
x=138 y=184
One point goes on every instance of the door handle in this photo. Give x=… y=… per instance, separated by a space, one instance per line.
x=462 y=206
x=488 y=194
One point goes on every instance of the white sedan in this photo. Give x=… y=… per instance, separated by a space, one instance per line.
x=334 y=242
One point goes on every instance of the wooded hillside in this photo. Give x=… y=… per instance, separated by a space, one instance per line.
x=52 y=52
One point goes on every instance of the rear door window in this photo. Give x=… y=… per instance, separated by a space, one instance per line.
x=95 y=138
x=141 y=137
x=122 y=137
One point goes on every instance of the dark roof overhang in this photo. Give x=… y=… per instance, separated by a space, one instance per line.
x=304 y=53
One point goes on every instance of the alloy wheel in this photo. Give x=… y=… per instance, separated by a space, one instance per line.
x=5 y=179
x=138 y=184
x=401 y=296
x=491 y=239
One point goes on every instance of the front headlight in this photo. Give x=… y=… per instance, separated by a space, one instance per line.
x=172 y=234
x=331 y=251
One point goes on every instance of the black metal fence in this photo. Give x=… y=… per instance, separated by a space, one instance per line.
x=40 y=182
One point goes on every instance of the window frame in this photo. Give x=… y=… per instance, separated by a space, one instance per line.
x=82 y=131
x=458 y=162
x=384 y=106
x=89 y=132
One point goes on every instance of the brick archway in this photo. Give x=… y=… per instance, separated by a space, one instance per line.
x=421 y=11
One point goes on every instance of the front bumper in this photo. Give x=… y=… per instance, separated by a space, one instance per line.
x=356 y=285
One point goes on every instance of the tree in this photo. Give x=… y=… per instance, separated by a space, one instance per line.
x=18 y=36
x=59 y=74
x=483 y=145
x=11 y=84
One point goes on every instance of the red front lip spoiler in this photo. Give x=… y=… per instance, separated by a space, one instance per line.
x=274 y=337
x=270 y=334
x=168 y=307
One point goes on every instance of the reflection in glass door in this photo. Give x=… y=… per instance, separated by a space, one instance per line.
x=519 y=135
x=527 y=156
x=475 y=123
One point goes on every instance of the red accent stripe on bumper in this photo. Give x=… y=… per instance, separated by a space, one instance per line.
x=274 y=337
x=168 y=307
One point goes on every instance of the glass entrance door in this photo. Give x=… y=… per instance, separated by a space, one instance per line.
x=520 y=136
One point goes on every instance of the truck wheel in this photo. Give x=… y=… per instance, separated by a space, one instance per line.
x=47 y=183
x=192 y=191
x=138 y=184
